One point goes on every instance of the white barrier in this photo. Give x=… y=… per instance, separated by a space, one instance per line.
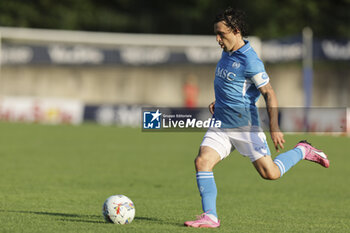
x=348 y=121
x=48 y=111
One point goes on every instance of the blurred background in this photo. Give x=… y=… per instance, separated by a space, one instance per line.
x=88 y=60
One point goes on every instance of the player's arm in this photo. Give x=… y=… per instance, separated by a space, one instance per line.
x=272 y=110
x=211 y=107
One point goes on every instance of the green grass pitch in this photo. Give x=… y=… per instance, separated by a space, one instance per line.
x=56 y=178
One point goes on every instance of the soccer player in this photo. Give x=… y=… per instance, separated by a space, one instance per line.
x=240 y=78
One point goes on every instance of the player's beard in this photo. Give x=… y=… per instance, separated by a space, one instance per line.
x=223 y=47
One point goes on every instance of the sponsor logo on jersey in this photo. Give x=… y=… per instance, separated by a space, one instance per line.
x=225 y=74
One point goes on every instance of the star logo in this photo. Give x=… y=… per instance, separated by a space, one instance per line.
x=152 y=119
x=156 y=115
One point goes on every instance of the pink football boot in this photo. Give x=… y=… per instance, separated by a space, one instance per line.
x=203 y=221
x=313 y=154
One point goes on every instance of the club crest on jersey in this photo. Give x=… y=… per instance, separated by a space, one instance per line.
x=225 y=74
x=236 y=65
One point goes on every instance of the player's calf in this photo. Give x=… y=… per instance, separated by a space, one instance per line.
x=270 y=176
x=267 y=169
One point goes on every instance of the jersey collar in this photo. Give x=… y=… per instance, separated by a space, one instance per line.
x=242 y=49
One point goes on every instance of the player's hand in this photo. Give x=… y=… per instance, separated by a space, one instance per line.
x=278 y=140
x=212 y=107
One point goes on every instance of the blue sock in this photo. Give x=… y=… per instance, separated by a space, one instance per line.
x=288 y=159
x=207 y=189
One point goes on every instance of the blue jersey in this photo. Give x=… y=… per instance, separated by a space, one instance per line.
x=238 y=76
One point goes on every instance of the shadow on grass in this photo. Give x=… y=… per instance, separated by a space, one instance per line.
x=63 y=216
x=88 y=218
x=156 y=220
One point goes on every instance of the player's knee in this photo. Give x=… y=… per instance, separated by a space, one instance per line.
x=202 y=163
x=199 y=162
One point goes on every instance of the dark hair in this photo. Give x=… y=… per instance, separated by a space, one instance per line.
x=233 y=18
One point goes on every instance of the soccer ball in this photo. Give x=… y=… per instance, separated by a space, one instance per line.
x=118 y=209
